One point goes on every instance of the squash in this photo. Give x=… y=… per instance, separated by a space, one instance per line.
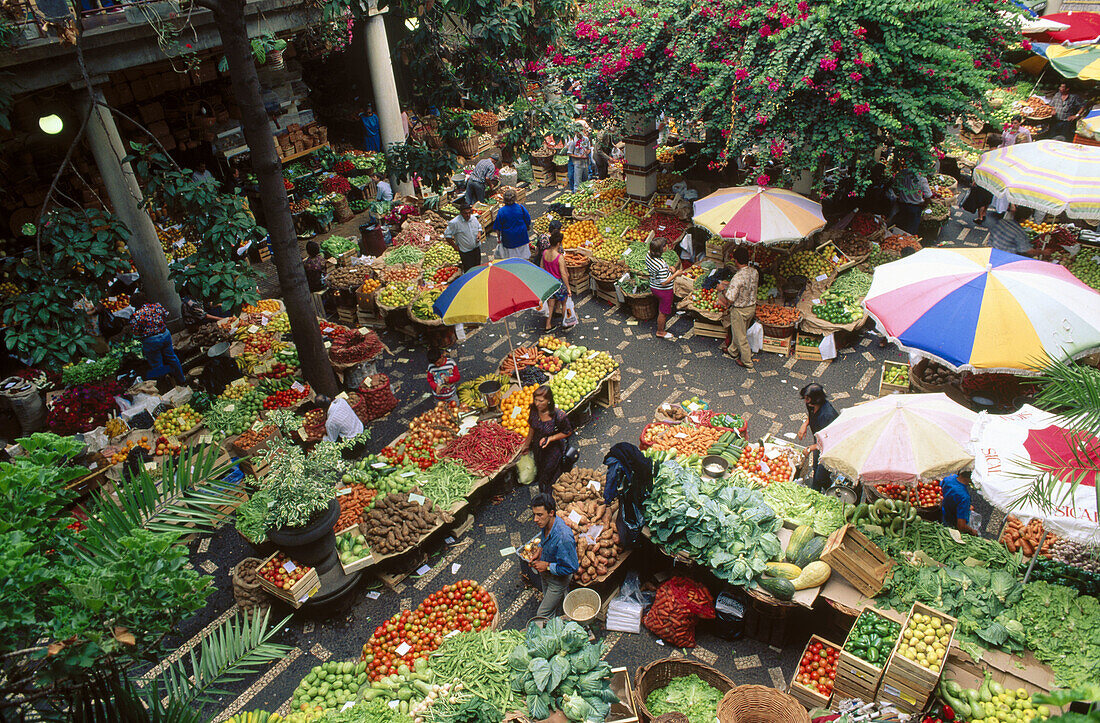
x=810 y=551
x=801 y=535
x=814 y=574
x=784 y=569
x=778 y=587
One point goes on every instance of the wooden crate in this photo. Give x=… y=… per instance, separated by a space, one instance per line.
x=858 y=560
x=301 y=591
x=608 y=394
x=855 y=677
x=776 y=345
x=835 y=256
x=356 y=564
x=903 y=694
x=702 y=328
x=608 y=297
x=810 y=699
x=371 y=320
x=884 y=388
x=903 y=670
x=805 y=351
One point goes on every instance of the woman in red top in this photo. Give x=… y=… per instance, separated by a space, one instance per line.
x=553 y=263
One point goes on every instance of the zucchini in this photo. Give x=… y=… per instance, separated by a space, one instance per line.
x=810 y=552
x=784 y=569
x=801 y=535
x=778 y=587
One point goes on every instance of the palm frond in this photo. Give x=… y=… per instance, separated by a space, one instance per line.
x=1072 y=391
x=189 y=495
x=109 y=696
x=237 y=647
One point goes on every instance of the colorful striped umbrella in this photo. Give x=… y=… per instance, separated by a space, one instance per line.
x=980 y=309
x=1080 y=28
x=762 y=215
x=1081 y=62
x=494 y=290
x=899 y=438
x=1051 y=176
x=1090 y=124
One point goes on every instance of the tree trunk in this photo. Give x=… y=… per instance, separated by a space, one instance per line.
x=229 y=16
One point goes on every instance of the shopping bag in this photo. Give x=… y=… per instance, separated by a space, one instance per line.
x=571 y=317
x=544 y=310
x=755 y=334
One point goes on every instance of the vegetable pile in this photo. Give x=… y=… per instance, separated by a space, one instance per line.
x=690 y=695
x=479 y=660
x=335 y=245
x=1025 y=538
x=556 y=668
x=817 y=669
x=805 y=506
x=485 y=449
x=872 y=638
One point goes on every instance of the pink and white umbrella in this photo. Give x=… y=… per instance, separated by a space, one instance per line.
x=899 y=438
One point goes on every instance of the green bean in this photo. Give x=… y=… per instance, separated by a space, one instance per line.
x=445 y=483
x=479 y=660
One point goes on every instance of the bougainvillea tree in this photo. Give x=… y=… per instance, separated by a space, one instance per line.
x=799 y=82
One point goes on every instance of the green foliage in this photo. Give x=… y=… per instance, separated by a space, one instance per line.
x=434 y=165
x=224 y=282
x=90 y=598
x=802 y=83
x=525 y=123
x=456 y=124
x=79 y=255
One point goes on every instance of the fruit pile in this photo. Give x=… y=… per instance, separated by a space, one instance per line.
x=582 y=233
x=765 y=289
x=838 y=308
x=925 y=494
x=178 y=420
x=444 y=274
x=116 y=427
x=164 y=446
x=235 y=416
x=925 y=640
x=254 y=437
x=169 y=237
x=865 y=224
x=1086 y=267
x=607 y=270
x=328 y=686
x=614 y=224
x=115 y=303
x=542 y=223
x=764 y=469
x=278 y=370
x=268 y=305
x=817 y=669
x=370 y=286
x=122 y=452
x=347 y=277
x=896 y=374
x=773 y=315
x=396 y=294
x=297 y=207
x=286 y=398
x=441 y=254
x=1034 y=107
x=515 y=409
x=581 y=379
x=706 y=300
x=900 y=241
x=351 y=546
x=463 y=606
x=550 y=364
x=610 y=250
x=551 y=343
x=354 y=347
x=660 y=224
x=282 y=572
x=402 y=275
x=872 y=638
x=804 y=263
x=422 y=308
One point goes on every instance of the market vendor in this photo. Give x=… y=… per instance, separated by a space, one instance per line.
x=484 y=175
x=1009 y=236
x=385 y=190
x=556 y=559
x=955 y=508
x=820 y=413
x=1067 y=109
x=194 y=314
x=513 y=223
x=463 y=230
x=912 y=192
x=740 y=298
x=550 y=427
x=149 y=323
x=1013 y=134
x=443 y=376
x=578 y=149
x=341 y=421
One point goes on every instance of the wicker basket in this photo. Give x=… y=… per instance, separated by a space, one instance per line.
x=642 y=307
x=465 y=146
x=491 y=128
x=248 y=596
x=760 y=704
x=781 y=332
x=660 y=673
x=342 y=209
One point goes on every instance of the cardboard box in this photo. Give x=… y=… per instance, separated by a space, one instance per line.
x=299 y=593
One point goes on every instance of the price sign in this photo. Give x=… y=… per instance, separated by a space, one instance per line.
x=765 y=468
x=515 y=411
x=297 y=386
x=264 y=321
x=328 y=344
x=505 y=552
x=570 y=374
x=230 y=407
x=423 y=569
x=342 y=395
x=363 y=330
x=257 y=426
x=822 y=277
x=408 y=474
x=253 y=329
x=374 y=594
x=394 y=703
x=403 y=648
x=347 y=705
x=574 y=517
x=453 y=632
x=418 y=499
x=150 y=466
x=343 y=491
x=594 y=485
x=289 y=566
x=93 y=465
x=379 y=465
x=302 y=435
x=680 y=435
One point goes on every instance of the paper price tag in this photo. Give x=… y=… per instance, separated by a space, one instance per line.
x=765 y=468
x=289 y=566
x=343 y=491
x=374 y=594
x=594 y=532
x=594 y=485
x=302 y=435
x=593 y=355
x=403 y=648
x=93 y=465
x=264 y=321
x=450 y=634
x=394 y=703
x=455 y=567
x=257 y=426
x=407 y=474
x=822 y=277
x=347 y=705
x=328 y=344
x=427 y=237
x=570 y=374
x=342 y=395
x=379 y=465
x=505 y=552
x=150 y=466
x=423 y=569
x=253 y=329
x=363 y=330
x=574 y=517
x=817 y=302
x=297 y=386
x=418 y=499
x=515 y=411
x=680 y=435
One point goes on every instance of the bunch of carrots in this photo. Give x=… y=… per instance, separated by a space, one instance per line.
x=1018 y=536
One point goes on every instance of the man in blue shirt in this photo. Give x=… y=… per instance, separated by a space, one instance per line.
x=512 y=222
x=820 y=413
x=556 y=560
x=955 y=508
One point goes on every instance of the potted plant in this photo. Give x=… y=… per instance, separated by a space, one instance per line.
x=457 y=128
x=268 y=50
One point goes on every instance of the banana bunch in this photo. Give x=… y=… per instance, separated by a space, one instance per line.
x=891 y=515
x=468 y=394
x=255 y=716
x=247 y=361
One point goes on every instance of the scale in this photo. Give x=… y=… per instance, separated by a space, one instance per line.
x=843 y=489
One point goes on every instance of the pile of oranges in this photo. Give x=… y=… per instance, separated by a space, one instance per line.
x=515 y=410
x=582 y=233
x=122 y=452
x=370 y=285
x=261 y=306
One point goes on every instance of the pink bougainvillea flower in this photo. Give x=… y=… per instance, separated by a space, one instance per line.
x=836 y=46
x=860 y=32
x=1026 y=44
x=977 y=63
x=996 y=63
x=740 y=74
x=694 y=69
x=862 y=108
x=725 y=132
x=761 y=119
x=803 y=6
x=763 y=179
x=855 y=77
x=834 y=98
x=827 y=63
x=786 y=20
x=808 y=80
x=773 y=84
x=765 y=31
x=669 y=52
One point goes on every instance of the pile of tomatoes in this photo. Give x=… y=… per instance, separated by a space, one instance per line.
x=285 y=398
x=414 y=449
x=817 y=669
x=462 y=607
x=754 y=461
x=282 y=572
x=925 y=494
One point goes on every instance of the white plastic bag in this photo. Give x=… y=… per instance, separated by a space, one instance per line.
x=827 y=348
x=755 y=334
x=571 y=319
x=544 y=310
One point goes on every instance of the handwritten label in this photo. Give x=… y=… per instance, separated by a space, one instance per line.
x=418 y=499
x=297 y=386
x=150 y=466
x=347 y=705
x=594 y=485
x=342 y=395
x=328 y=344
x=206 y=438
x=93 y=465
x=257 y=426
x=253 y=329
x=302 y=435
x=394 y=703
x=516 y=411
x=822 y=277
x=450 y=634
x=506 y=551
x=407 y=474
x=574 y=517
x=230 y=407
x=264 y=321
x=765 y=468
x=289 y=566
x=403 y=648
x=455 y=567
x=680 y=435
x=379 y=465
x=374 y=594
x=422 y=570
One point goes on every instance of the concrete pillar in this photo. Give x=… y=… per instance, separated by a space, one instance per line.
x=126 y=197
x=385 y=88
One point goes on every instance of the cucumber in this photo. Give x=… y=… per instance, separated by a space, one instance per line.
x=801 y=535
x=784 y=569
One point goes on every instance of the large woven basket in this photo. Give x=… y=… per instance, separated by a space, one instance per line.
x=465 y=146
x=760 y=704
x=643 y=307
x=660 y=673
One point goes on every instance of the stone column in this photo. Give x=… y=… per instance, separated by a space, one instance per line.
x=127 y=199
x=385 y=88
